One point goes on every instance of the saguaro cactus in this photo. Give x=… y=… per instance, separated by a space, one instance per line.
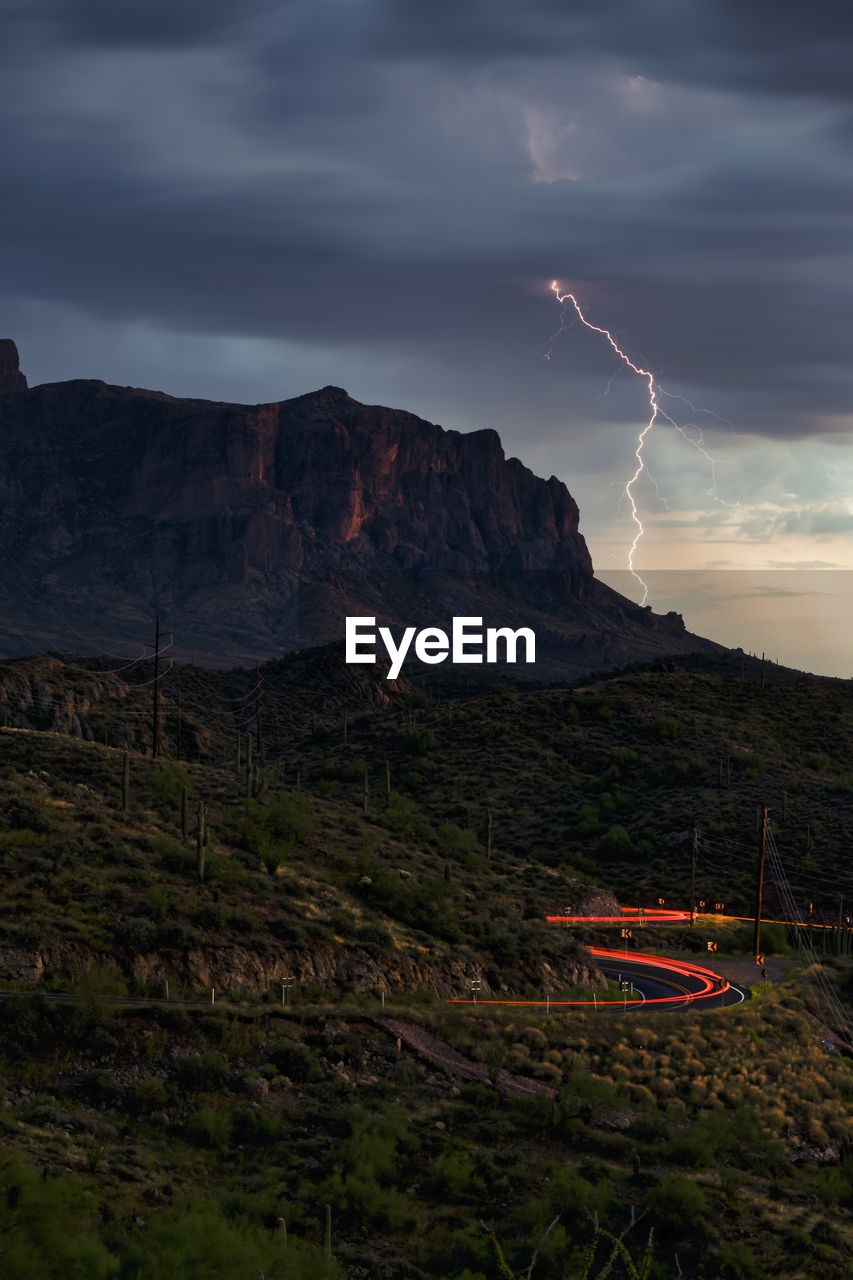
x=125 y=780
x=200 y=841
x=327 y=1230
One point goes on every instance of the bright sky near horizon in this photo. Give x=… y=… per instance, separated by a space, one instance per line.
x=248 y=201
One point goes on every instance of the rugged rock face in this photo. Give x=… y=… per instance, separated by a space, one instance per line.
x=11 y=378
x=305 y=483
x=254 y=530
x=375 y=480
x=235 y=971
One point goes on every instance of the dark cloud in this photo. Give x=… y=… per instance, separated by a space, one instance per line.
x=404 y=179
x=779 y=46
x=157 y=24
x=154 y=23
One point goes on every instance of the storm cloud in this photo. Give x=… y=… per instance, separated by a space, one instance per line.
x=246 y=201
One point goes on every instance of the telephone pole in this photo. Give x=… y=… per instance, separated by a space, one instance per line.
x=155 y=750
x=258 y=708
x=693 y=877
x=840 y=946
x=761 y=853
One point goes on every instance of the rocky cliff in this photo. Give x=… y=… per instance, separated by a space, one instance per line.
x=253 y=530
x=11 y=378
x=237 y=971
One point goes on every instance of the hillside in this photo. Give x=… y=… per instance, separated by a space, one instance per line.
x=608 y=777
x=138 y=1136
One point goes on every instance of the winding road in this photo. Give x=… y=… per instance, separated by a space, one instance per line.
x=660 y=983
x=668 y=984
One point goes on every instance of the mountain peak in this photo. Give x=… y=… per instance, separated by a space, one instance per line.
x=256 y=529
x=11 y=378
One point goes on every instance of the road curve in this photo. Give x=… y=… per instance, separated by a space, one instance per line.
x=661 y=984
x=669 y=984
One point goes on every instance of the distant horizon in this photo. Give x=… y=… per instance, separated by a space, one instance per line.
x=757 y=610
x=714 y=605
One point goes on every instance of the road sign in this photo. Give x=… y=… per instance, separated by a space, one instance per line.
x=660 y=902
x=712 y=946
x=759 y=959
x=626 y=933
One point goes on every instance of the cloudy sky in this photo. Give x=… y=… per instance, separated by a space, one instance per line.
x=246 y=201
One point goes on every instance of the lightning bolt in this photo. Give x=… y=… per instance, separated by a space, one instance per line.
x=571 y=307
x=654 y=412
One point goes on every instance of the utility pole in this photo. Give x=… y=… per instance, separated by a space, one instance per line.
x=693 y=877
x=155 y=749
x=761 y=853
x=839 y=948
x=258 y=708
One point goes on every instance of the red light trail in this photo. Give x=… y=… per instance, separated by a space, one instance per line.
x=630 y=915
x=710 y=985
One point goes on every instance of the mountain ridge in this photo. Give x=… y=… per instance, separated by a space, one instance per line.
x=254 y=530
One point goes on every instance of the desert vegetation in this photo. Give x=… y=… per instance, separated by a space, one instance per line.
x=371 y=860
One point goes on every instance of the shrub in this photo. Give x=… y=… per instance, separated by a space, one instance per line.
x=666 y=728
x=418 y=744
x=202 y=1071
x=680 y=1208
x=291 y=819
x=406 y=820
x=25 y=1020
x=374 y=938
x=296 y=1060
x=198 y=1240
x=210 y=1127
x=172 y=854
x=256 y=1128
x=167 y=783
x=48 y=1227
x=749 y=762
x=20 y=815
x=138 y=935
x=150 y=1094
x=451 y=838
x=453 y=1176
x=616 y=841
x=100 y=1086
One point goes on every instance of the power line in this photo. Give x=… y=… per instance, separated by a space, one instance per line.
x=816 y=973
